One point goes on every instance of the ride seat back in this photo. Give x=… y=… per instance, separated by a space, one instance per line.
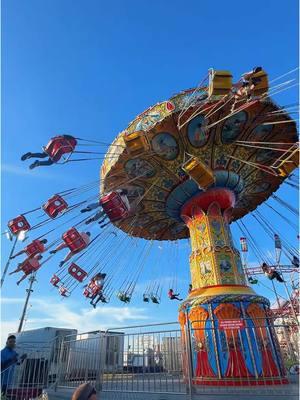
x=59 y=146
x=220 y=83
x=78 y=273
x=199 y=172
x=114 y=206
x=34 y=248
x=28 y=267
x=54 y=280
x=63 y=291
x=136 y=142
x=18 y=224
x=261 y=83
x=94 y=289
x=55 y=206
x=73 y=240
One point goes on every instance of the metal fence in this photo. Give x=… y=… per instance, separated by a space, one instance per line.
x=157 y=358
x=27 y=379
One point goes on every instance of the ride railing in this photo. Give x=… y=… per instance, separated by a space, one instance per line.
x=27 y=378
x=160 y=358
x=127 y=359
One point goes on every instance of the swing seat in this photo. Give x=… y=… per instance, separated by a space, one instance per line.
x=146 y=299
x=73 y=240
x=199 y=172
x=63 y=291
x=286 y=166
x=28 y=267
x=91 y=290
x=34 y=248
x=87 y=293
x=78 y=273
x=54 y=206
x=18 y=224
x=58 y=146
x=114 y=206
x=136 y=142
x=261 y=82
x=252 y=281
x=220 y=83
x=244 y=246
x=123 y=297
x=54 y=280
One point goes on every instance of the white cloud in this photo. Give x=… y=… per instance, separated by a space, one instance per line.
x=11 y=300
x=25 y=171
x=65 y=314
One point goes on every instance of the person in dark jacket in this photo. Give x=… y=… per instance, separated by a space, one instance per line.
x=9 y=359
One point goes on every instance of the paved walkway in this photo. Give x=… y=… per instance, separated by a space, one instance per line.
x=286 y=392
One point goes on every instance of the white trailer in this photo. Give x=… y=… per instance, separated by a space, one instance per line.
x=43 y=348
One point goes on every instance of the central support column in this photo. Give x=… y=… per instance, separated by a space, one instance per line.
x=216 y=266
x=233 y=339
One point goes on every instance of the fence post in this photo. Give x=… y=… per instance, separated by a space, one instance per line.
x=102 y=356
x=59 y=361
x=189 y=360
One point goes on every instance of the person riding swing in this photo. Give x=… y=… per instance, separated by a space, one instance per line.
x=31 y=264
x=270 y=273
x=98 y=283
x=145 y=298
x=33 y=248
x=85 y=236
x=154 y=299
x=54 y=150
x=124 y=297
x=173 y=296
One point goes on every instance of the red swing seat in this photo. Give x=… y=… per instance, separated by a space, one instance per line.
x=91 y=290
x=28 y=267
x=58 y=146
x=54 y=206
x=78 y=273
x=34 y=248
x=73 y=240
x=87 y=293
x=54 y=280
x=18 y=224
x=63 y=291
x=114 y=206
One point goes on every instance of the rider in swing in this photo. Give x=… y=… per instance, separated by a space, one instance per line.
x=124 y=297
x=173 y=296
x=84 y=235
x=54 y=150
x=98 y=281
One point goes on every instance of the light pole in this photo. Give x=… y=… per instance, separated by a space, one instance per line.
x=21 y=236
x=29 y=291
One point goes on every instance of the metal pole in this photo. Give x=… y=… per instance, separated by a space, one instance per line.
x=29 y=291
x=187 y=331
x=8 y=261
x=288 y=294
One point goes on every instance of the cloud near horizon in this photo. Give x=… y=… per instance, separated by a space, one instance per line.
x=60 y=315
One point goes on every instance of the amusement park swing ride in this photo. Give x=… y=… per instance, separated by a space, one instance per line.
x=185 y=168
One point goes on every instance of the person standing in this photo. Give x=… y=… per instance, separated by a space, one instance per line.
x=9 y=360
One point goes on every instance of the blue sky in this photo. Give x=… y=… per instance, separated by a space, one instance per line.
x=87 y=68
